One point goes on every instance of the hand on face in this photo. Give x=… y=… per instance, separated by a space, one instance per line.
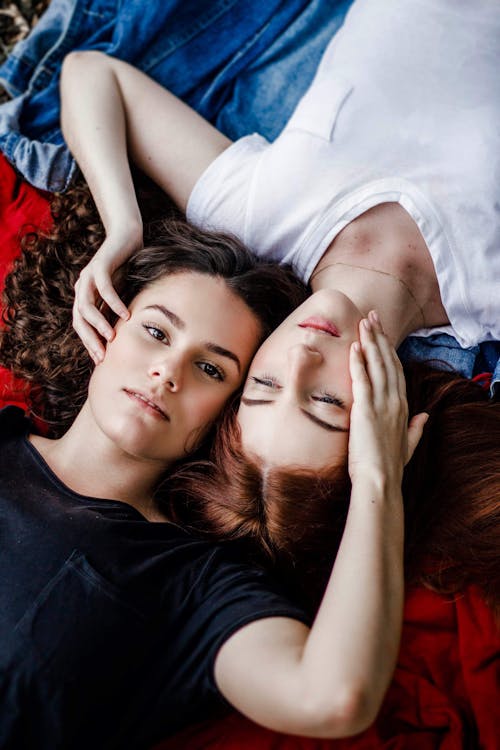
x=95 y=283
x=380 y=442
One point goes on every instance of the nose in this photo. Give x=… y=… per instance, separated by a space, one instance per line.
x=301 y=360
x=167 y=372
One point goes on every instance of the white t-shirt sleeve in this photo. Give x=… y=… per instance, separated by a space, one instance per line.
x=221 y=198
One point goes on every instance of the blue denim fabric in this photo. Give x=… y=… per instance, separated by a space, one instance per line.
x=196 y=48
x=445 y=350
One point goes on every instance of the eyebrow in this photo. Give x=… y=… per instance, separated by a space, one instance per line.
x=320 y=422
x=180 y=325
x=173 y=318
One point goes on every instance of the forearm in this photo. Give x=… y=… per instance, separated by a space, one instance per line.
x=352 y=647
x=94 y=126
x=330 y=681
x=110 y=107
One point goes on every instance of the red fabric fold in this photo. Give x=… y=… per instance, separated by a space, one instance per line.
x=445 y=694
x=21 y=206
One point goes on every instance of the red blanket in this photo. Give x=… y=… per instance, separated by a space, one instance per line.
x=446 y=690
x=445 y=693
x=20 y=206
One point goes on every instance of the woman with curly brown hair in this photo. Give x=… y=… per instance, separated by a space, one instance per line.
x=119 y=626
x=39 y=298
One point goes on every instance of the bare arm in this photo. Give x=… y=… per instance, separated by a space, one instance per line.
x=330 y=681
x=111 y=111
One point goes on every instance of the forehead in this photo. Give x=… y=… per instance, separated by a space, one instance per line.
x=180 y=281
x=281 y=435
x=194 y=295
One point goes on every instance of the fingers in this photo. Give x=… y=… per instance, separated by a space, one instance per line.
x=89 y=323
x=107 y=292
x=384 y=367
x=415 y=430
x=90 y=339
x=361 y=387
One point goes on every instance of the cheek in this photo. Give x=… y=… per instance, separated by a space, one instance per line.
x=196 y=422
x=206 y=406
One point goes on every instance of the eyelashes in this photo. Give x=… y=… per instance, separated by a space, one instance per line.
x=211 y=370
x=328 y=398
x=268 y=381
x=155 y=332
x=214 y=372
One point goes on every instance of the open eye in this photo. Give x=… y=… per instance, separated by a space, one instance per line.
x=327 y=398
x=266 y=380
x=214 y=372
x=155 y=332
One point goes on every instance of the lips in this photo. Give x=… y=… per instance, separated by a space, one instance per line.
x=320 y=324
x=147 y=402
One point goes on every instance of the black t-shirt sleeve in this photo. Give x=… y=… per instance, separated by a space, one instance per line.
x=231 y=595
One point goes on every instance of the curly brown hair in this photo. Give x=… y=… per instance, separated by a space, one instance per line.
x=38 y=342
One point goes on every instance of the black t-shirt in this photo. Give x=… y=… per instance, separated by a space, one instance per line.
x=109 y=624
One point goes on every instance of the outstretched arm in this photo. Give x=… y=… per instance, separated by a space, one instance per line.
x=111 y=111
x=330 y=681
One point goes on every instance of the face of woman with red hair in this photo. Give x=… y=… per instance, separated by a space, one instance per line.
x=298 y=394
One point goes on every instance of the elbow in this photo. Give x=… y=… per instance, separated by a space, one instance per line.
x=346 y=715
x=79 y=62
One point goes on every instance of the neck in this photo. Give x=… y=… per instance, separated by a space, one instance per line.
x=380 y=261
x=89 y=463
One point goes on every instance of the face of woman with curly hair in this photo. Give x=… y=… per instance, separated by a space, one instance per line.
x=172 y=366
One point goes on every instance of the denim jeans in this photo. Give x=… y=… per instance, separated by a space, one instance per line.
x=243 y=64
x=445 y=351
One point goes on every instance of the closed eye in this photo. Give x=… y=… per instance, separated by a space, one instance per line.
x=328 y=398
x=266 y=380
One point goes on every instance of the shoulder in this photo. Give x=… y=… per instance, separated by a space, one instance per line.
x=219 y=198
x=237 y=581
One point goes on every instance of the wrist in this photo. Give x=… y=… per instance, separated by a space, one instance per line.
x=121 y=223
x=125 y=232
x=377 y=484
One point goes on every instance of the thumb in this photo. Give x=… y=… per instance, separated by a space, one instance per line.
x=415 y=430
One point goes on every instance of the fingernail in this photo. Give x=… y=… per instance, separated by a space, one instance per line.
x=356 y=347
x=374 y=316
x=367 y=324
x=124 y=314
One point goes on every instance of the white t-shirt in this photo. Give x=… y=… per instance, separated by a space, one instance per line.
x=405 y=107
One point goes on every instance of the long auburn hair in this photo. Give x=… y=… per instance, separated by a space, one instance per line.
x=295 y=519
x=38 y=342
